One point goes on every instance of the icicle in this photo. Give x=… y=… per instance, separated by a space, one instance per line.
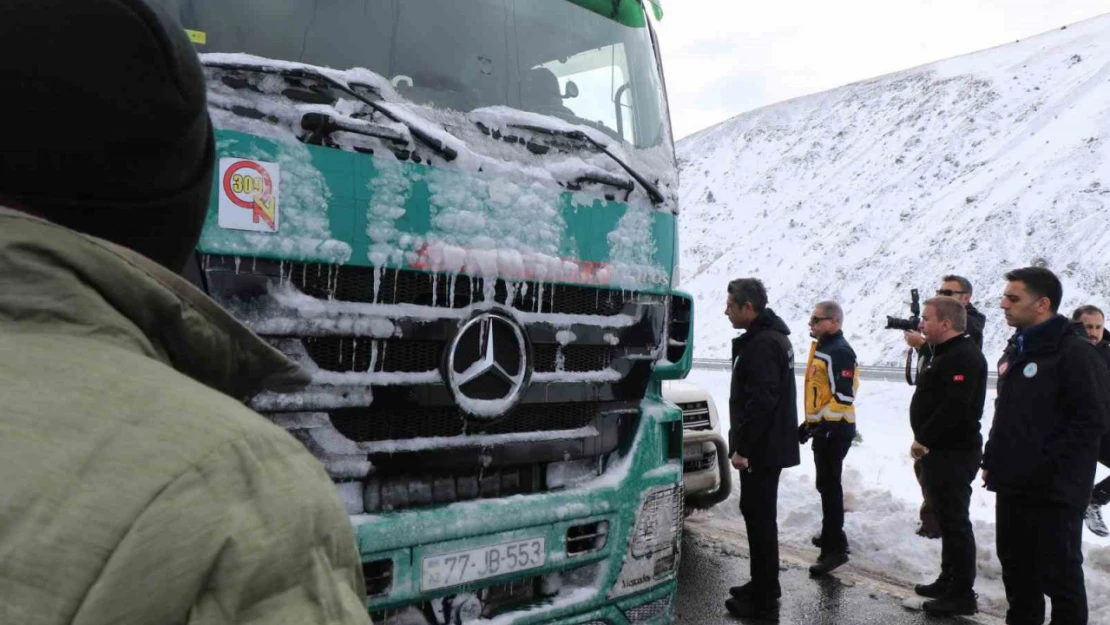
x=281 y=273
x=373 y=356
x=205 y=261
x=551 y=308
x=304 y=273
x=451 y=289
x=560 y=359
x=510 y=294
x=354 y=351
x=396 y=281
x=237 y=261
x=435 y=289
x=379 y=275
x=539 y=297
x=254 y=264
x=472 y=289
x=489 y=290
x=341 y=341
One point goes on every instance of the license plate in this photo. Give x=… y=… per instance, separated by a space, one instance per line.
x=461 y=567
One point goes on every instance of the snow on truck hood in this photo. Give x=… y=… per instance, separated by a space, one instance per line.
x=495 y=202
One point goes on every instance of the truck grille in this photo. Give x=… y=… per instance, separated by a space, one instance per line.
x=400 y=492
x=346 y=353
x=703 y=462
x=379 y=422
x=695 y=415
x=364 y=284
x=397 y=423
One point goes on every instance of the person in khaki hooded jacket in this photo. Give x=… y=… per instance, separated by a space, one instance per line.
x=135 y=486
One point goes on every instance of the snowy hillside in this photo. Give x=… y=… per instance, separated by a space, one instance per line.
x=973 y=165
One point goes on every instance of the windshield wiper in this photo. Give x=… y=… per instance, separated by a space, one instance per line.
x=322 y=124
x=446 y=151
x=652 y=191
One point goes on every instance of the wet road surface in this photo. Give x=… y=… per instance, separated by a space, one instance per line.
x=713 y=560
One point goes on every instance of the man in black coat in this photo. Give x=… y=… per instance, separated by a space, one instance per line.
x=1040 y=459
x=764 y=436
x=958 y=288
x=945 y=412
x=1094 y=323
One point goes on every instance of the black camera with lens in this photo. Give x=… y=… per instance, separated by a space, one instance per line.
x=908 y=325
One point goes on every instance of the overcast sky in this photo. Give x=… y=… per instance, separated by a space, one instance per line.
x=724 y=57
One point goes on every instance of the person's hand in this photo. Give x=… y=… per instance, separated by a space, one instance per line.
x=917 y=450
x=804 y=433
x=740 y=463
x=914 y=339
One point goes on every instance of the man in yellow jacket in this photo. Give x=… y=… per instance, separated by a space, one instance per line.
x=135 y=486
x=830 y=393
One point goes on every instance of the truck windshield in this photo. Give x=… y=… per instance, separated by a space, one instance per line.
x=551 y=57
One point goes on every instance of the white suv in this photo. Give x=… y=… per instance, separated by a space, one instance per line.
x=706 y=471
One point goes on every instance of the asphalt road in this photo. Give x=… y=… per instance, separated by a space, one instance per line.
x=714 y=558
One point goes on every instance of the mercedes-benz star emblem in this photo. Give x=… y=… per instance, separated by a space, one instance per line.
x=487 y=366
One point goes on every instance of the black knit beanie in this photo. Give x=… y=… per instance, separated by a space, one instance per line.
x=105 y=124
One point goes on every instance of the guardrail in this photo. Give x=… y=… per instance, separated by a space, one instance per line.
x=889 y=374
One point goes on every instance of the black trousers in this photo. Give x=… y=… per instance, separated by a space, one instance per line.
x=947 y=477
x=759 y=499
x=831 y=443
x=1101 y=494
x=1039 y=547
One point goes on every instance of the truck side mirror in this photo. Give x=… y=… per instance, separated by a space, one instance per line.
x=571 y=90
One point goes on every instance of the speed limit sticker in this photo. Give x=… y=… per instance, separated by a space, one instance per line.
x=249 y=195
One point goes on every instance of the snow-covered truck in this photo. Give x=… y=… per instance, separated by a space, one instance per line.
x=460 y=218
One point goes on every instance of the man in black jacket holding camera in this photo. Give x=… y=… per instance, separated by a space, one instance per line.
x=763 y=441
x=958 y=288
x=945 y=413
x=1051 y=411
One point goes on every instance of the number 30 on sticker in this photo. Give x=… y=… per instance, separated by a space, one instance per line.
x=249 y=195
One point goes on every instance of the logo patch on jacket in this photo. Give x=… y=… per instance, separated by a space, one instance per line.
x=1030 y=370
x=847 y=373
x=958 y=378
x=1003 y=368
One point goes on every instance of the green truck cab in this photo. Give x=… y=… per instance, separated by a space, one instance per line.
x=460 y=218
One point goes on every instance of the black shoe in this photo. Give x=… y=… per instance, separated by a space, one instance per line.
x=748 y=591
x=827 y=562
x=951 y=605
x=750 y=609
x=1092 y=516
x=935 y=590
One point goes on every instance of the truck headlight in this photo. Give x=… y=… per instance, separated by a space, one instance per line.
x=653 y=549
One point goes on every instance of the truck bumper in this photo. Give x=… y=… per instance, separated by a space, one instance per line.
x=706 y=486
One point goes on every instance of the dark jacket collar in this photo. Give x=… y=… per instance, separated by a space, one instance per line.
x=829 y=338
x=1045 y=337
x=972 y=311
x=767 y=320
x=951 y=343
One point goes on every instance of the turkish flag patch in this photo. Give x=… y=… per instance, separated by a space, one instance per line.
x=958 y=378
x=847 y=373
